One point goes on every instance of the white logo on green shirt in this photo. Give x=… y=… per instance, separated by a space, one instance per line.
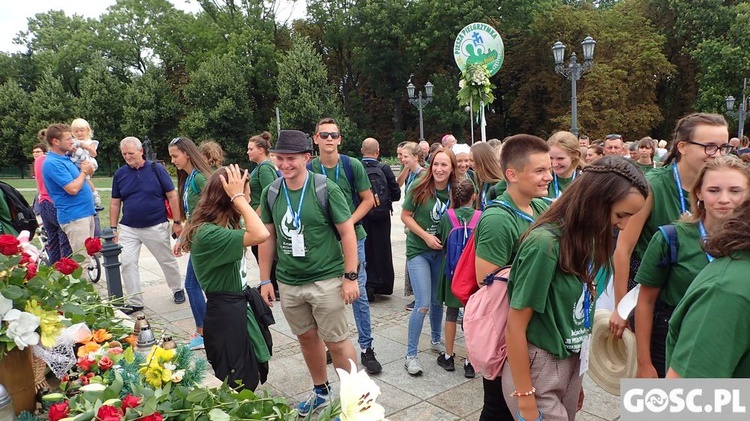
x=287 y=225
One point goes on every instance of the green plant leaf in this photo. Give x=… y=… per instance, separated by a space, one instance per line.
x=217 y=414
x=197 y=395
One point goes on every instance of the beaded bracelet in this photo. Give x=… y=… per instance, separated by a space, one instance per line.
x=266 y=282
x=518 y=394
x=236 y=196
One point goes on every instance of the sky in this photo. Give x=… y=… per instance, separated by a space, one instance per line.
x=14 y=14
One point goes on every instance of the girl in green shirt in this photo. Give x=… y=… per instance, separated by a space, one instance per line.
x=552 y=292
x=234 y=338
x=646 y=155
x=566 y=162
x=722 y=185
x=708 y=332
x=424 y=206
x=487 y=172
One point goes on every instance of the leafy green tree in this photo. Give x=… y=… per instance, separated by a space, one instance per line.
x=218 y=106
x=14 y=113
x=49 y=103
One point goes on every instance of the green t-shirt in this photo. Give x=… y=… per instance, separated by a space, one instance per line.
x=464 y=215
x=323 y=256
x=428 y=216
x=557 y=298
x=675 y=279
x=498 y=190
x=5 y=219
x=666 y=205
x=217 y=255
x=558 y=185
x=498 y=233
x=199 y=182
x=714 y=312
x=338 y=175
x=644 y=167
x=413 y=177
x=263 y=175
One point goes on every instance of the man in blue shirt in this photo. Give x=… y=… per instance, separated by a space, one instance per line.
x=70 y=192
x=140 y=187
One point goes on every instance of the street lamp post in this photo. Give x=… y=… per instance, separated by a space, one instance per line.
x=573 y=71
x=420 y=102
x=741 y=112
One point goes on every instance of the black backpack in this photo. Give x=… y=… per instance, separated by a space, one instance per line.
x=21 y=214
x=382 y=194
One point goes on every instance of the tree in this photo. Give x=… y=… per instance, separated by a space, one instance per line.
x=50 y=103
x=218 y=106
x=14 y=114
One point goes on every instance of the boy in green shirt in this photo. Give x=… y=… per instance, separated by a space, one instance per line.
x=339 y=169
x=527 y=169
x=310 y=266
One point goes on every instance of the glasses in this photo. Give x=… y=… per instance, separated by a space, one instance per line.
x=710 y=149
x=325 y=135
x=175 y=141
x=613 y=136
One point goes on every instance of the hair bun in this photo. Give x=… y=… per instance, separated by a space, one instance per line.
x=266 y=135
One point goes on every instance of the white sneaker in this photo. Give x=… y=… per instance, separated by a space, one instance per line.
x=413 y=366
x=438 y=347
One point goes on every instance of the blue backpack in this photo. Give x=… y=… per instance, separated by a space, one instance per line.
x=457 y=238
x=670 y=236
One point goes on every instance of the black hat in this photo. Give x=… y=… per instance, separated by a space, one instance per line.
x=291 y=141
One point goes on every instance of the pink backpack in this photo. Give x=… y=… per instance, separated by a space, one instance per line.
x=485 y=319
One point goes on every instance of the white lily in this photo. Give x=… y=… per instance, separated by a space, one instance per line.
x=93 y=387
x=22 y=328
x=5 y=306
x=358 y=394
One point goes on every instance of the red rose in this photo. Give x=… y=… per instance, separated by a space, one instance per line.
x=85 y=363
x=109 y=413
x=9 y=245
x=130 y=401
x=30 y=270
x=84 y=380
x=105 y=363
x=66 y=265
x=93 y=245
x=59 y=411
x=153 y=417
x=25 y=258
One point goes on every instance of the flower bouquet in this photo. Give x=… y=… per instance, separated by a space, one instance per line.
x=475 y=88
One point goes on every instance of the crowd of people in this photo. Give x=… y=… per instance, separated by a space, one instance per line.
x=561 y=211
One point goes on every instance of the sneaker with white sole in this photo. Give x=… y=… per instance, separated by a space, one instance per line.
x=316 y=401
x=196 y=342
x=413 y=366
x=438 y=347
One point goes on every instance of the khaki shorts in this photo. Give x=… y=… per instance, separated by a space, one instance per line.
x=316 y=305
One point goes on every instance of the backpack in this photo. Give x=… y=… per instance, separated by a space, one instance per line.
x=21 y=214
x=349 y=173
x=485 y=319
x=457 y=239
x=380 y=191
x=321 y=194
x=670 y=235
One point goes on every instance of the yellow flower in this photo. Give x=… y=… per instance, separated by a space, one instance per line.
x=49 y=322
x=155 y=374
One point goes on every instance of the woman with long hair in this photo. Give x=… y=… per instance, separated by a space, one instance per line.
x=552 y=292
x=192 y=173
x=722 y=186
x=708 y=332
x=646 y=155
x=234 y=338
x=566 y=162
x=262 y=175
x=487 y=171
x=212 y=151
x=424 y=206
x=698 y=138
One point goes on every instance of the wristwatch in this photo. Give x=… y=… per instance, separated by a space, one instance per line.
x=352 y=276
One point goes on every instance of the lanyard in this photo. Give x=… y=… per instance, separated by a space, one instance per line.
x=683 y=206
x=295 y=216
x=586 y=307
x=186 y=188
x=410 y=178
x=338 y=166
x=483 y=196
x=557 y=186
x=517 y=212
x=441 y=209
x=702 y=230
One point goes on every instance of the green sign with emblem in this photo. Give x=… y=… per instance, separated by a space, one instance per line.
x=479 y=43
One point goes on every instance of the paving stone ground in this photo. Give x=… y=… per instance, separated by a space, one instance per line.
x=435 y=395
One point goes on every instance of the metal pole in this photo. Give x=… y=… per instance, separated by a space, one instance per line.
x=421 y=124
x=743 y=111
x=278 y=122
x=111 y=253
x=574 y=99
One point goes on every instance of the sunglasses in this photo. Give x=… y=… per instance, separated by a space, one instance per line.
x=325 y=135
x=175 y=141
x=613 y=136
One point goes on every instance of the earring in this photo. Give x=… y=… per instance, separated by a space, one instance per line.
x=699 y=203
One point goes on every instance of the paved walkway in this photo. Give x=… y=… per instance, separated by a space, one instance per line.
x=436 y=395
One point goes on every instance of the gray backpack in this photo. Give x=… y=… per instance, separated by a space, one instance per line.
x=321 y=194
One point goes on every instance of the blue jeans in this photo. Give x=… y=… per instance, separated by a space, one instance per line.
x=195 y=295
x=57 y=242
x=361 y=306
x=424 y=272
